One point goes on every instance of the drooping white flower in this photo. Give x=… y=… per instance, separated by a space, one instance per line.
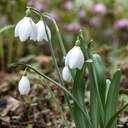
x=74 y=58
x=26 y=28
x=66 y=74
x=41 y=31
x=24 y=86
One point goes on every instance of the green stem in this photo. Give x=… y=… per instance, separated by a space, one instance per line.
x=2 y=45
x=2 y=53
x=45 y=14
x=20 y=47
x=55 y=100
x=57 y=69
x=57 y=31
x=10 y=46
x=54 y=60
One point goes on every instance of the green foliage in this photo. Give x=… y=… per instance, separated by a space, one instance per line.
x=112 y=98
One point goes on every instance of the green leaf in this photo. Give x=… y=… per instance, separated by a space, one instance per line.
x=108 y=82
x=6 y=28
x=115 y=116
x=100 y=77
x=79 y=94
x=112 y=98
x=96 y=107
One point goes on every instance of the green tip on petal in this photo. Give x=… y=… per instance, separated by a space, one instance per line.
x=77 y=43
x=28 y=13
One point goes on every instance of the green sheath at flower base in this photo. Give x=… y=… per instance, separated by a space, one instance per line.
x=77 y=43
x=28 y=13
x=25 y=72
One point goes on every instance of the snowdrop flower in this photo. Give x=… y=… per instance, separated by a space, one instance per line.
x=74 y=58
x=26 y=28
x=24 y=86
x=41 y=31
x=66 y=74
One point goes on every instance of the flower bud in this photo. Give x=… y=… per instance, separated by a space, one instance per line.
x=66 y=74
x=24 y=86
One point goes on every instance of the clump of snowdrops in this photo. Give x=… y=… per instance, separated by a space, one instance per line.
x=103 y=99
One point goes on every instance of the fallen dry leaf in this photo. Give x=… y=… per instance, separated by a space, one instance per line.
x=12 y=105
x=43 y=60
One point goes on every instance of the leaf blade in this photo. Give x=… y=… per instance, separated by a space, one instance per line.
x=112 y=98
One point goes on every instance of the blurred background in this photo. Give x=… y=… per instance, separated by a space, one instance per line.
x=104 y=21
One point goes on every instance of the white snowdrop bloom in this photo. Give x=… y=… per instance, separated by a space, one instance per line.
x=41 y=31
x=24 y=86
x=26 y=28
x=66 y=74
x=74 y=58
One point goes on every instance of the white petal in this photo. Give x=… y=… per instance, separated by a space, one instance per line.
x=66 y=74
x=74 y=58
x=81 y=62
x=41 y=31
x=34 y=30
x=18 y=26
x=68 y=57
x=49 y=34
x=24 y=86
x=25 y=29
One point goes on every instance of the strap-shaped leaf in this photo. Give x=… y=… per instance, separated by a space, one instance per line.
x=100 y=76
x=112 y=98
x=115 y=116
x=108 y=82
x=6 y=28
x=96 y=106
x=79 y=93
